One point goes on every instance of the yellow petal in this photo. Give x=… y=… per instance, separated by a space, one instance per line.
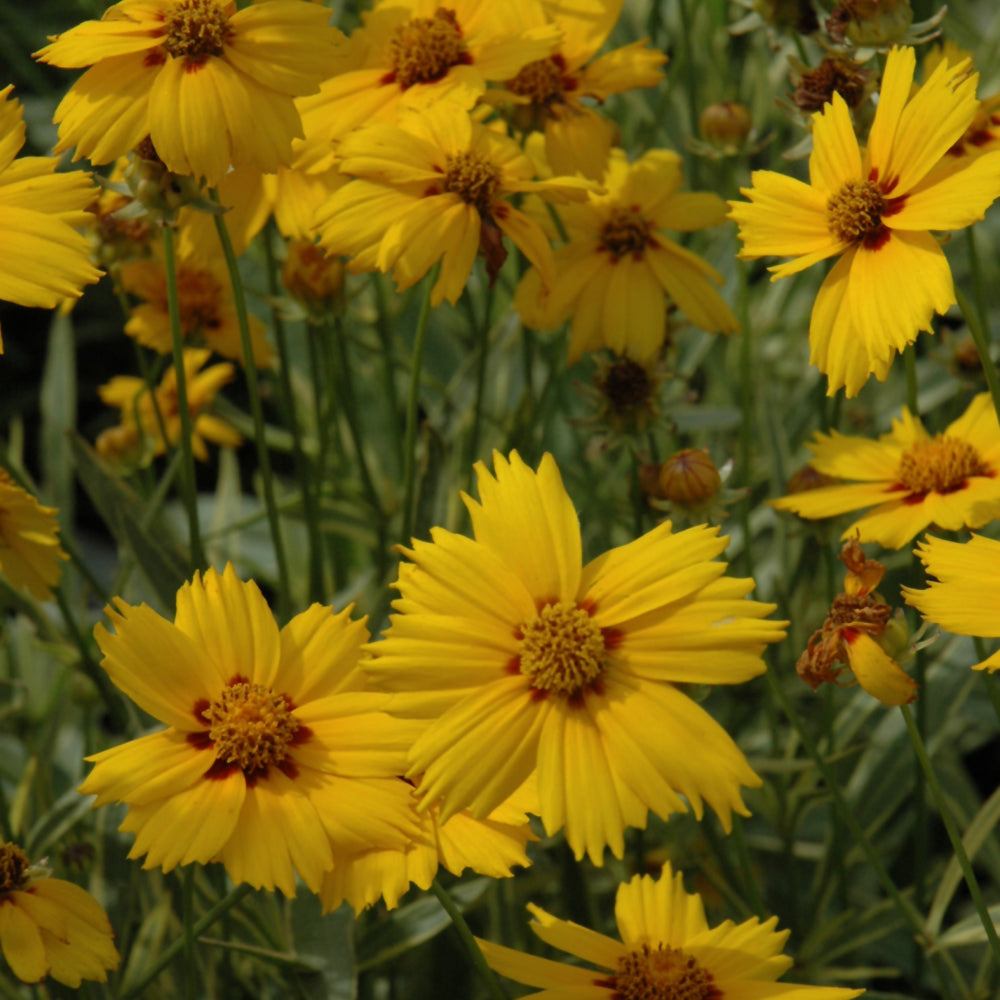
x=876 y=672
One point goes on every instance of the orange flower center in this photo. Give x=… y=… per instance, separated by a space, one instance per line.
x=197 y=28
x=251 y=726
x=626 y=232
x=14 y=865
x=200 y=297
x=941 y=465
x=474 y=178
x=562 y=649
x=664 y=974
x=424 y=48
x=540 y=81
x=855 y=212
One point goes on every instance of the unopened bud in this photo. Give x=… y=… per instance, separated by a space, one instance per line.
x=689 y=478
x=725 y=125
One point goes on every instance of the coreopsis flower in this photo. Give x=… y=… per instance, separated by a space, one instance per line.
x=913 y=480
x=983 y=135
x=313 y=278
x=532 y=663
x=148 y=414
x=874 y=211
x=965 y=597
x=50 y=927
x=666 y=950
x=273 y=757
x=410 y=54
x=859 y=632
x=548 y=94
x=436 y=186
x=208 y=314
x=619 y=269
x=211 y=86
x=491 y=846
x=43 y=259
x=30 y=553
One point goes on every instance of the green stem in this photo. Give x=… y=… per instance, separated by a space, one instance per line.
x=484 y=352
x=910 y=366
x=412 y=410
x=953 y=834
x=177 y=945
x=187 y=902
x=307 y=484
x=982 y=346
x=906 y=909
x=469 y=942
x=256 y=411
x=189 y=487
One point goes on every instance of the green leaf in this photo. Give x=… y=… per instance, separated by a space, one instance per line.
x=325 y=943
x=159 y=556
x=67 y=811
x=57 y=401
x=412 y=925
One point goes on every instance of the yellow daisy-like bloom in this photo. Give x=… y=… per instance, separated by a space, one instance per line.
x=490 y=847
x=210 y=85
x=667 y=951
x=983 y=135
x=965 y=598
x=273 y=756
x=29 y=541
x=43 y=259
x=549 y=92
x=49 y=927
x=873 y=210
x=132 y=397
x=912 y=480
x=530 y=662
x=208 y=314
x=616 y=273
x=410 y=54
x=436 y=186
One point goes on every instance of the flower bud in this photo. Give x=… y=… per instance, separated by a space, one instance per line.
x=870 y=22
x=725 y=125
x=689 y=478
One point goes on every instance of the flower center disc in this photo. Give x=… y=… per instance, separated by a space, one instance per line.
x=14 y=865
x=474 y=178
x=200 y=298
x=854 y=213
x=196 y=28
x=664 y=974
x=540 y=81
x=624 y=233
x=941 y=465
x=424 y=48
x=251 y=727
x=562 y=649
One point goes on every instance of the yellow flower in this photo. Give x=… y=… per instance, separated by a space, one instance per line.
x=436 y=186
x=667 y=949
x=619 y=268
x=983 y=135
x=490 y=847
x=410 y=54
x=29 y=542
x=530 y=661
x=873 y=210
x=43 y=259
x=208 y=315
x=272 y=757
x=132 y=397
x=49 y=927
x=912 y=480
x=549 y=93
x=965 y=598
x=211 y=86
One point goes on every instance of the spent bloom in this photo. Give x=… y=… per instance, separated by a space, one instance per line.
x=619 y=269
x=667 y=951
x=436 y=186
x=873 y=210
x=965 y=597
x=43 y=259
x=30 y=554
x=911 y=479
x=211 y=86
x=529 y=662
x=859 y=632
x=272 y=756
x=50 y=927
